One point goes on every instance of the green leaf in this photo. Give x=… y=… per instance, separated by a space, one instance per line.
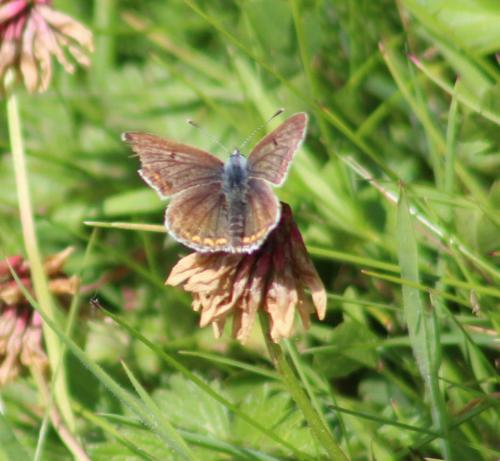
x=189 y=407
x=474 y=22
x=10 y=448
x=352 y=347
x=266 y=403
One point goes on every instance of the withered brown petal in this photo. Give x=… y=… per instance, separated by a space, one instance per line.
x=185 y=268
x=67 y=26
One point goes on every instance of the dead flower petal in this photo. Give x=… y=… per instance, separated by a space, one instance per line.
x=54 y=263
x=27 y=61
x=186 y=268
x=66 y=26
x=306 y=272
x=11 y=9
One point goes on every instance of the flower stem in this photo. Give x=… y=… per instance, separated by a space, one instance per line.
x=31 y=245
x=319 y=429
x=65 y=434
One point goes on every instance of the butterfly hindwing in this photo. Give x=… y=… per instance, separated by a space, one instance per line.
x=170 y=167
x=261 y=214
x=270 y=159
x=198 y=218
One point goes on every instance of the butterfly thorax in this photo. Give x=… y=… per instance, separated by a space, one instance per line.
x=235 y=173
x=235 y=188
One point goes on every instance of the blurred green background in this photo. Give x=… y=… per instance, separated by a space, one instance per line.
x=402 y=95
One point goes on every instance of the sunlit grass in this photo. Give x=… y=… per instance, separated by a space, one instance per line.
x=401 y=97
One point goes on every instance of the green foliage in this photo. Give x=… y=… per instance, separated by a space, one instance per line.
x=402 y=96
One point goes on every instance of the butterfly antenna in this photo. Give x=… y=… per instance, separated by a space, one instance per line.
x=252 y=134
x=209 y=135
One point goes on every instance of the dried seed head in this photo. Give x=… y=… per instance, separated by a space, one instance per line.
x=20 y=327
x=273 y=278
x=31 y=32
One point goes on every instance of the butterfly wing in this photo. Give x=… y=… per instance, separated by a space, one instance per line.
x=261 y=215
x=198 y=218
x=270 y=159
x=170 y=167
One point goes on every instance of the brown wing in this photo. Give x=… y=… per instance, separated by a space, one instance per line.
x=170 y=167
x=197 y=217
x=262 y=214
x=270 y=159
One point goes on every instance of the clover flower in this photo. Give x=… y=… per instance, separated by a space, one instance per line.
x=21 y=326
x=272 y=278
x=31 y=31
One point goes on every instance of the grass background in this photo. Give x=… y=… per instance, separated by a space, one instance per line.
x=396 y=192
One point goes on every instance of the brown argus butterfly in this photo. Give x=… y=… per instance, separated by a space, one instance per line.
x=220 y=206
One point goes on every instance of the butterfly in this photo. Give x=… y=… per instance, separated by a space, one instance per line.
x=217 y=206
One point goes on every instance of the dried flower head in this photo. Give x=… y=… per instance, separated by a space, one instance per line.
x=31 y=31
x=20 y=326
x=273 y=279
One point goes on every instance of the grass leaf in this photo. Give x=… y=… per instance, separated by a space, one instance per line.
x=421 y=321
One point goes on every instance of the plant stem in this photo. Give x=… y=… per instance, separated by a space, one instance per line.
x=38 y=276
x=104 y=19
x=57 y=422
x=294 y=386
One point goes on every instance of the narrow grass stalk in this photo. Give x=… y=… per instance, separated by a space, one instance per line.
x=328 y=254
x=111 y=430
x=127 y=399
x=164 y=427
x=314 y=90
x=423 y=326
x=172 y=362
x=455 y=92
x=333 y=118
x=319 y=429
x=32 y=250
x=104 y=17
x=130 y=401
x=451 y=240
x=62 y=430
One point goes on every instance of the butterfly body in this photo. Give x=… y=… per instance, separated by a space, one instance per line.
x=218 y=206
x=235 y=187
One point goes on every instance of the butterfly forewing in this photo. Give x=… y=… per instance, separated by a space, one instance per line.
x=270 y=159
x=198 y=218
x=170 y=167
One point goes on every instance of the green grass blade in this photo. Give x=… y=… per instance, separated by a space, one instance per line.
x=422 y=323
x=467 y=100
x=108 y=428
x=116 y=389
x=39 y=278
x=169 y=360
x=162 y=426
x=334 y=255
x=237 y=364
x=441 y=32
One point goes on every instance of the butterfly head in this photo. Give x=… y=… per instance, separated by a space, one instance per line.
x=236 y=153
